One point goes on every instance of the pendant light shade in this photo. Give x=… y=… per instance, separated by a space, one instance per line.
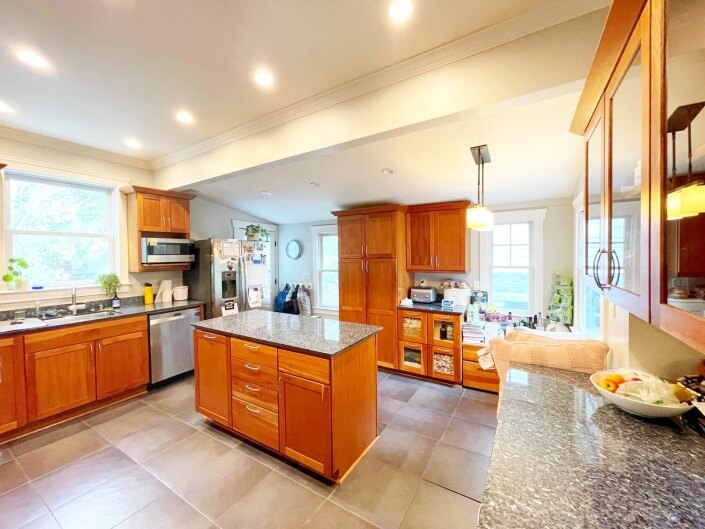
x=479 y=218
x=693 y=201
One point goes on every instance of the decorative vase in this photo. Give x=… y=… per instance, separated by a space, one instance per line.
x=253 y=237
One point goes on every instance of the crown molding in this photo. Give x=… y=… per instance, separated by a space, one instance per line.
x=550 y=14
x=73 y=148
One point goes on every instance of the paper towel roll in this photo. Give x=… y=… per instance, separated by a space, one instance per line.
x=165 y=291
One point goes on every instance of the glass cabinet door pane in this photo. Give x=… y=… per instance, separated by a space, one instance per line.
x=593 y=226
x=625 y=206
x=443 y=363
x=685 y=156
x=412 y=327
x=412 y=356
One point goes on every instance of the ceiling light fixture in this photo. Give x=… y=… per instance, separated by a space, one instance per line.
x=264 y=78
x=400 y=10
x=33 y=59
x=479 y=218
x=314 y=184
x=387 y=170
x=185 y=117
x=266 y=193
x=133 y=143
x=5 y=108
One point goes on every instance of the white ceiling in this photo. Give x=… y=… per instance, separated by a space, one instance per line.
x=534 y=157
x=123 y=67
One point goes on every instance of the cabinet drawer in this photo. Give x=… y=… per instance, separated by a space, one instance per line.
x=256 y=394
x=476 y=377
x=256 y=423
x=253 y=372
x=305 y=366
x=264 y=355
x=470 y=352
x=211 y=337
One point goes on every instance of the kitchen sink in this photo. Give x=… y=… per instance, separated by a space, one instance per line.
x=28 y=323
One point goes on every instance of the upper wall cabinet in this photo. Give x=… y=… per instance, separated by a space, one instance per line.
x=376 y=232
x=436 y=237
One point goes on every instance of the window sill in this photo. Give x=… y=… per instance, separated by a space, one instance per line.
x=319 y=311
x=55 y=292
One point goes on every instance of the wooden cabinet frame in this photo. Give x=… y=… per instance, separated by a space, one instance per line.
x=421 y=316
x=12 y=384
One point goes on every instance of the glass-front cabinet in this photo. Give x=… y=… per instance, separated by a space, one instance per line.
x=444 y=363
x=412 y=326
x=412 y=357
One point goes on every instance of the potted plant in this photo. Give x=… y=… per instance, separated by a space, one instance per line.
x=14 y=276
x=255 y=232
x=110 y=283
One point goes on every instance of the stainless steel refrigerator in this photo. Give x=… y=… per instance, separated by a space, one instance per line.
x=228 y=271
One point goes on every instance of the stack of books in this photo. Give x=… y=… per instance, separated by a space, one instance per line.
x=473 y=333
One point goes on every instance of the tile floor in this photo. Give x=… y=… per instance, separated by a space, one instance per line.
x=155 y=463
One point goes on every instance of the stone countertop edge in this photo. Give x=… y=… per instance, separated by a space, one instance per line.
x=563 y=457
x=435 y=307
x=316 y=347
x=125 y=312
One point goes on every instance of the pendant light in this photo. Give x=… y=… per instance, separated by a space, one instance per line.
x=480 y=218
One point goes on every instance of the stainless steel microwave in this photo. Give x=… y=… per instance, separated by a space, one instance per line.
x=156 y=250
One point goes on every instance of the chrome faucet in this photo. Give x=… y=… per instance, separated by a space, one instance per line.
x=73 y=295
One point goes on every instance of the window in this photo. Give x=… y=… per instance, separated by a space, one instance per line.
x=326 y=263
x=588 y=301
x=64 y=230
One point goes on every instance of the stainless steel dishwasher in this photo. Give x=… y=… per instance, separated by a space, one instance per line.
x=171 y=343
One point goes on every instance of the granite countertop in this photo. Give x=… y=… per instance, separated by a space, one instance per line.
x=318 y=336
x=562 y=457
x=91 y=317
x=435 y=307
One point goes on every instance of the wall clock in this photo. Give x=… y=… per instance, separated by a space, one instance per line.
x=293 y=249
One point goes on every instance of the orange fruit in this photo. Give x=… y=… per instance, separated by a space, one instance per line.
x=616 y=378
x=682 y=394
x=608 y=384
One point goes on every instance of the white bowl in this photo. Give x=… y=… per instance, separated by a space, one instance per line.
x=636 y=407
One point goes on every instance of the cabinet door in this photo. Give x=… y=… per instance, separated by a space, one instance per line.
x=444 y=363
x=121 y=363
x=151 y=212
x=382 y=305
x=419 y=241
x=412 y=326
x=381 y=234
x=13 y=406
x=305 y=422
x=351 y=237
x=177 y=215
x=412 y=357
x=449 y=230
x=690 y=242
x=60 y=379
x=444 y=330
x=592 y=251
x=212 y=376
x=352 y=290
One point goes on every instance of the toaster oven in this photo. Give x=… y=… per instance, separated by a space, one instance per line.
x=423 y=294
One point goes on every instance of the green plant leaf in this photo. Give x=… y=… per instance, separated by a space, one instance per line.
x=22 y=263
x=8 y=278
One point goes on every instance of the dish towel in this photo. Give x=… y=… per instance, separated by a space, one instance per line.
x=485 y=359
x=304 y=301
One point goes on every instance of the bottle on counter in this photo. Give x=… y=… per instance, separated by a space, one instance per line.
x=444 y=331
x=116 y=302
x=148 y=294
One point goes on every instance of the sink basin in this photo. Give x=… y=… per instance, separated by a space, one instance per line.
x=29 y=323
x=86 y=316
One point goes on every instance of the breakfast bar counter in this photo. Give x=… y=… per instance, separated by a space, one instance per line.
x=563 y=457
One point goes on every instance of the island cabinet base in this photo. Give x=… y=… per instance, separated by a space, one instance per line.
x=320 y=412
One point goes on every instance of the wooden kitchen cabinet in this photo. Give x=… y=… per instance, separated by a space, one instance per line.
x=444 y=363
x=444 y=330
x=305 y=422
x=351 y=237
x=13 y=403
x=381 y=234
x=382 y=302
x=412 y=326
x=60 y=379
x=213 y=376
x=413 y=357
x=352 y=290
x=436 y=237
x=686 y=251
x=122 y=363
x=163 y=214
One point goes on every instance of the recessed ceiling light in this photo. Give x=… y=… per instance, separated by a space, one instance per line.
x=33 y=59
x=314 y=184
x=400 y=10
x=185 y=117
x=133 y=143
x=266 y=194
x=387 y=170
x=5 y=108
x=264 y=77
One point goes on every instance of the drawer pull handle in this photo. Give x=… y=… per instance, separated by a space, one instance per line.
x=253 y=389
x=209 y=336
x=251 y=368
x=248 y=346
x=252 y=410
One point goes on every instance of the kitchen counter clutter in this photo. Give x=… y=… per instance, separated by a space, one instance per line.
x=301 y=386
x=580 y=462
x=435 y=307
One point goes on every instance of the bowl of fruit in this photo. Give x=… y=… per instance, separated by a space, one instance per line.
x=643 y=394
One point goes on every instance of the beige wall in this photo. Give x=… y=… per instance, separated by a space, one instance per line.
x=209 y=219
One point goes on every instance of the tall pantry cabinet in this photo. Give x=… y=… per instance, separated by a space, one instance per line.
x=372 y=270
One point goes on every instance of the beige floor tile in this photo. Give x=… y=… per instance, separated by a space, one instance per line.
x=43 y=522
x=470 y=436
x=79 y=477
x=110 y=503
x=377 y=492
x=20 y=506
x=220 y=435
x=226 y=480
x=434 y=507
x=178 y=403
x=113 y=412
x=138 y=420
x=11 y=476
x=381 y=375
x=477 y=411
x=45 y=437
x=435 y=400
x=61 y=453
x=403 y=450
x=172 y=391
x=421 y=421
x=143 y=445
x=445 y=388
x=394 y=387
x=185 y=458
x=484 y=396
x=458 y=470
x=388 y=408
x=330 y=516
x=168 y=512
x=274 y=503
x=5 y=454
x=192 y=418
x=380 y=428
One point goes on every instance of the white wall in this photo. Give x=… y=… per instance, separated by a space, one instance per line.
x=209 y=219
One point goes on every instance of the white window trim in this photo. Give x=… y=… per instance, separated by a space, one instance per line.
x=316 y=232
x=536 y=270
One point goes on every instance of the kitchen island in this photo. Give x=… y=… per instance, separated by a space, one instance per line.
x=301 y=386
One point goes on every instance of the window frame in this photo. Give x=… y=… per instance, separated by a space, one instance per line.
x=535 y=218
x=318 y=233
